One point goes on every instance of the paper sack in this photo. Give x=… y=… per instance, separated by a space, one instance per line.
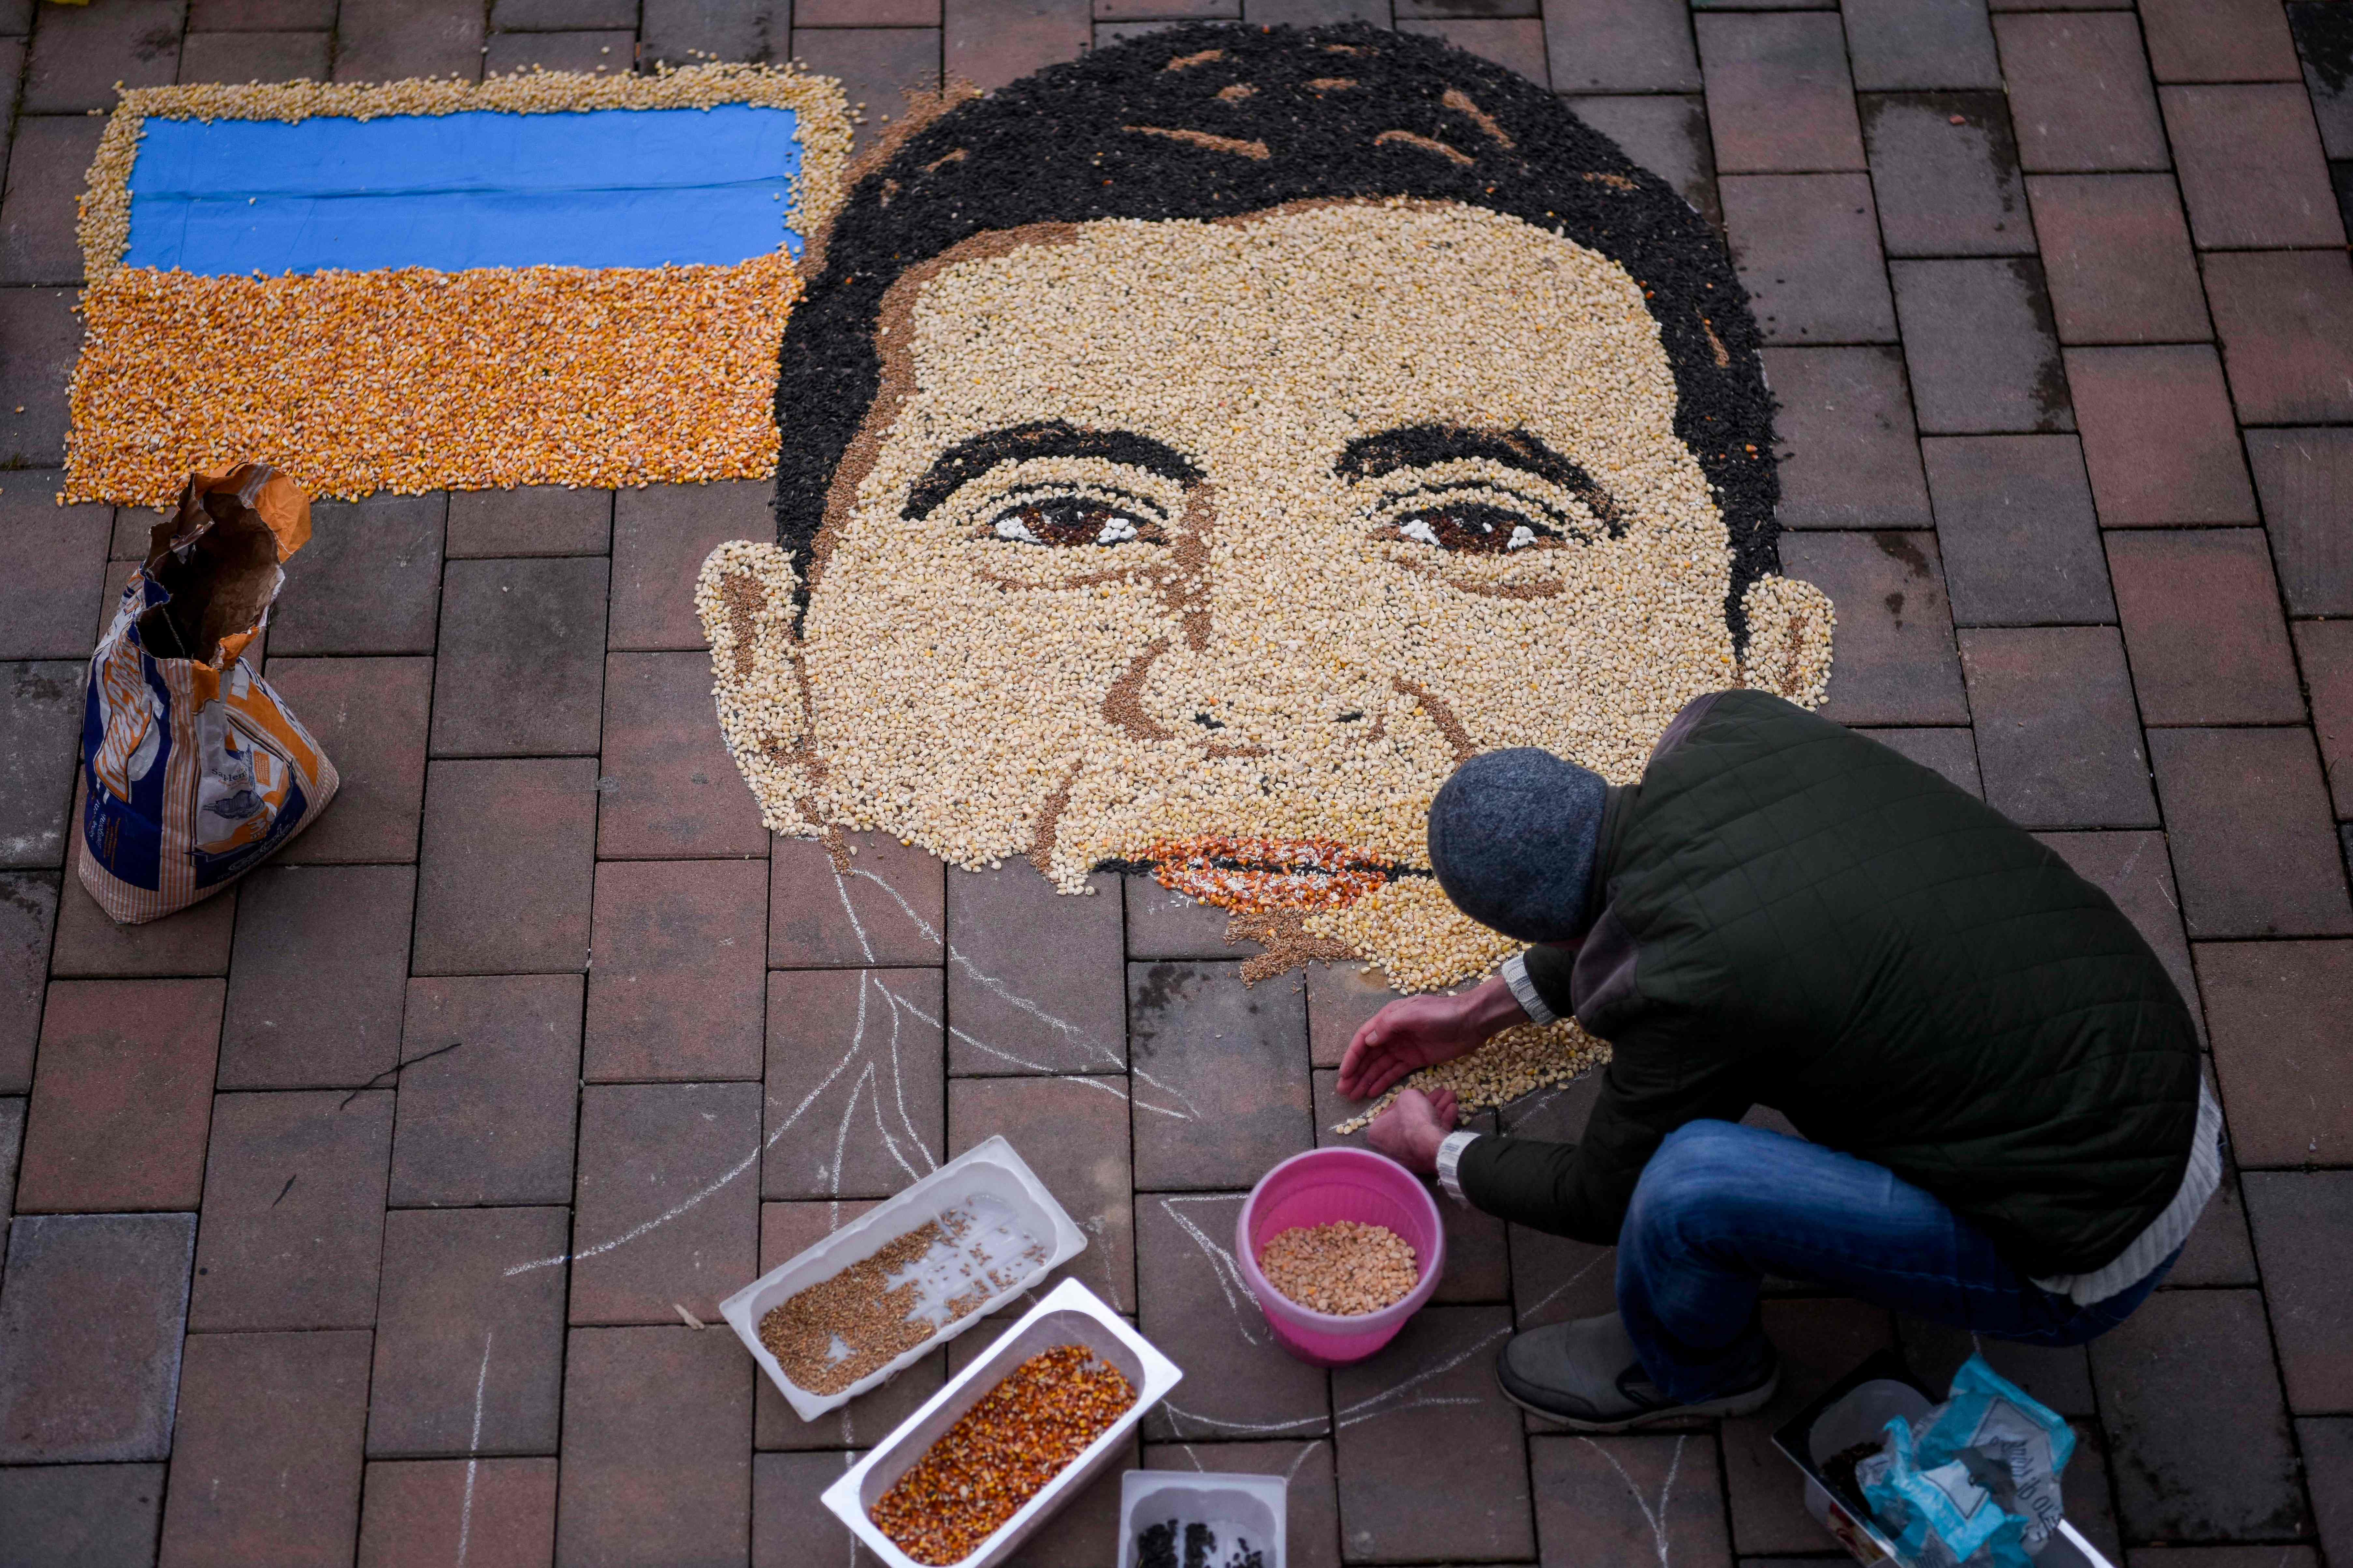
x=193 y=771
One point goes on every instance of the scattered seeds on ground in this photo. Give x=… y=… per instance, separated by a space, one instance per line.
x=1001 y=1453
x=1519 y=1061
x=1345 y=1267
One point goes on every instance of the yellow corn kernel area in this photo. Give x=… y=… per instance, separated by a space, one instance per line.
x=415 y=380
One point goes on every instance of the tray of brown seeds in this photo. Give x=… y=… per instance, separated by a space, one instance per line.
x=912 y=1273
x=964 y=1480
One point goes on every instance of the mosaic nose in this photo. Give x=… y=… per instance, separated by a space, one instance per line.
x=1243 y=696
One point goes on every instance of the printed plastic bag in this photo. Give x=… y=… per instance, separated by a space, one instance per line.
x=1988 y=1415
x=1941 y=1515
x=1976 y=1480
x=194 y=770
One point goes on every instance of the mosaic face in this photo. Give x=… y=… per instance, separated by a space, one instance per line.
x=1214 y=546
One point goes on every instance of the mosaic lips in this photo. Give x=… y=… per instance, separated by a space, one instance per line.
x=1256 y=874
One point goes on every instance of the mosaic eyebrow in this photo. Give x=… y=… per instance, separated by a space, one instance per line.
x=1426 y=445
x=967 y=461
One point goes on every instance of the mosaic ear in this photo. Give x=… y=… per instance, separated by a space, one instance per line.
x=744 y=596
x=1789 y=625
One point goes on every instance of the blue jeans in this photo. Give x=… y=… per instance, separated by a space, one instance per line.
x=1720 y=1205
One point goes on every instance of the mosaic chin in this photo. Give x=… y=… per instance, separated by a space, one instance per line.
x=1192 y=453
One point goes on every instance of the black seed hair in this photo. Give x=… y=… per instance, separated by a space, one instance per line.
x=1416 y=118
x=1050 y=438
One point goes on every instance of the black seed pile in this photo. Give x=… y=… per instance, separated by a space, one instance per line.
x=1047 y=438
x=1157 y=1546
x=1208 y=122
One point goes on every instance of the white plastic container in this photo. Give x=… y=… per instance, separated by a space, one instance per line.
x=991 y=1169
x=1237 y=1507
x=1069 y=1315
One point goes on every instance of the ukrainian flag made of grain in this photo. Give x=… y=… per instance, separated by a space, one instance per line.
x=540 y=279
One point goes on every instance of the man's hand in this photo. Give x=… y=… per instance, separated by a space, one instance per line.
x=1413 y=1128
x=1421 y=1031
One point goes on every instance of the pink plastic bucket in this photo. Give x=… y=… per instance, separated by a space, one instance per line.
x=1316 y=1188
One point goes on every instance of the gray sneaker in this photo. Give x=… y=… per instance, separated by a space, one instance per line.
x=1586 y=1375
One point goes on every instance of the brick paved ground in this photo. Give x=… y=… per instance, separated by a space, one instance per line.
x=2062 y=317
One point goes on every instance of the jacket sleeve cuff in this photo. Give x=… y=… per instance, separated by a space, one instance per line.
x=1524 y=990
x=1450 y=1162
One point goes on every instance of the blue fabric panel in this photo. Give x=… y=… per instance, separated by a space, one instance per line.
x=609 y=187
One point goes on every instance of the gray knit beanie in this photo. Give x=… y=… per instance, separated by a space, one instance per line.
x=1512 y=837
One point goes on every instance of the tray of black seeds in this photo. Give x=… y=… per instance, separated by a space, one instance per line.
x=1192 y=1518
x=914 y=1272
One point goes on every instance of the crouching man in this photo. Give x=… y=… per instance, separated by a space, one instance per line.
x=2005 y=1127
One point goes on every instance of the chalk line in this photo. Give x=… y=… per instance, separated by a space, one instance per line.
x=866 y=1080
x=841 y=1140
x=1091 y=1080
x=473 y=1449
x=993 y=986
x=1570 y=1283
x=856 y=925
x=1363 y=1409
x=1654 y=1517
x=688 y=1203
x=1272 y=1427
x=899 y=1084
x=1223 y=1267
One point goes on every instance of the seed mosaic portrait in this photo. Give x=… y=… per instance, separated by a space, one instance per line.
x=1191 y=453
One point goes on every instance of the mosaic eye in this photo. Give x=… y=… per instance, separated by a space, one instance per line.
x=1070 y=521
x=1471 y=528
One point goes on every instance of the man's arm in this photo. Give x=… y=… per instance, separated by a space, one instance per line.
x=1416 y=1032
x=1655 y=1084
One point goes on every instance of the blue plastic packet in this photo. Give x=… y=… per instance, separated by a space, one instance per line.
x=2024 y=1442
x=1942 y=1514
x=1976 y=1480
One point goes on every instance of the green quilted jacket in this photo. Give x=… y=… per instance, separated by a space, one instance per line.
x=1790 y=914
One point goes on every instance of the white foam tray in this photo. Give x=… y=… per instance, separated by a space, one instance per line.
x=1071 y=1314
x=992 y=1170
x=1257 y=1505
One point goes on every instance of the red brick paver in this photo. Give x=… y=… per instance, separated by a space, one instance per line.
x=2188 y=1387
x=2115 y=254
x=266 y=1460
x=294 y=1194
x=121 y=1096
x=418 y=1512
x=90 y=1336
x=676 y=992
x=469 y=1333
x=655 y=1470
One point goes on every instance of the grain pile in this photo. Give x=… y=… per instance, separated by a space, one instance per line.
x=1194 y=461
x=860 y=1319
x=1347 y=1268
x=1519 y=1061
x=1001 y=1453
x=412 y=379
x=839 y=1330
